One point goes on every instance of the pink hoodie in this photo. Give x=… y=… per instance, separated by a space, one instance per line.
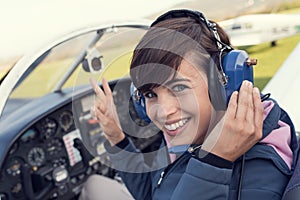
x=279 y=138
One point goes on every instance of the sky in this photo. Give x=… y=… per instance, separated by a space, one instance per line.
x=24 y=23
x=27 y=23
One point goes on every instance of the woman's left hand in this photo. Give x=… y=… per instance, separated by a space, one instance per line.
x=241 y=127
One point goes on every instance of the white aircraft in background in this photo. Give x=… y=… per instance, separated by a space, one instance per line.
x=255 y=29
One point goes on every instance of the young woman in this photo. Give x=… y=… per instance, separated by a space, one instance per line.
x=240 y=149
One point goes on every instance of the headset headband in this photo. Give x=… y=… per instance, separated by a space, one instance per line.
x=200 y=18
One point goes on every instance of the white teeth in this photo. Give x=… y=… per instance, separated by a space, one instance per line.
x=181 y=123
x=175 y=126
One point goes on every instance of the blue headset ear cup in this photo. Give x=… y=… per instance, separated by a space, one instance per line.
x=237 y=70
x=138 y=110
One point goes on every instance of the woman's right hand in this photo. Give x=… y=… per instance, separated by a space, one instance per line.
x=105 y=112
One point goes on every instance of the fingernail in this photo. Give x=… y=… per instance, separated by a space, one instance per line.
x=250 y=83
x=245 y=83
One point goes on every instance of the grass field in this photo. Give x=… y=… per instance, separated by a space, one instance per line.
x=270 y=58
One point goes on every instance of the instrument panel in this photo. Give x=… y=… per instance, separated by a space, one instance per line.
x=47 y=162
x=40 y=150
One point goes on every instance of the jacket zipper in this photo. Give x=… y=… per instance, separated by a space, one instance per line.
x=169 y=169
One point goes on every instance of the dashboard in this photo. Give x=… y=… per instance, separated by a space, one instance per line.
x=55 y=145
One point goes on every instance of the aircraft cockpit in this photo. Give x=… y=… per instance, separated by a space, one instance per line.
x=49 y=143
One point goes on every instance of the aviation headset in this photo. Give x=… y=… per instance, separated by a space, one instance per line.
x=223 y=78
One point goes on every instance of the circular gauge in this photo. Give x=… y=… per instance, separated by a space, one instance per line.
x=54 y=146
x=48 y=127
x=36 y=156
x=66 y=120
x=14 y=167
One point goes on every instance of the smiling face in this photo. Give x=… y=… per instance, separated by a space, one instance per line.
x=181 y=107
x=163 y=68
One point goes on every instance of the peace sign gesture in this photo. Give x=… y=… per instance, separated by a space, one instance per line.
x=104 y=110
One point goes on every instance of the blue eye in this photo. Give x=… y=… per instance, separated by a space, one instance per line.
x=149 y=95
x=179 y=88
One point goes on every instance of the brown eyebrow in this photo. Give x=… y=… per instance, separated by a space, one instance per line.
x=172 y=81
x=167 y=83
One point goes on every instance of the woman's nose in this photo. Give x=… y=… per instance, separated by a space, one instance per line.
x=167 y=105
